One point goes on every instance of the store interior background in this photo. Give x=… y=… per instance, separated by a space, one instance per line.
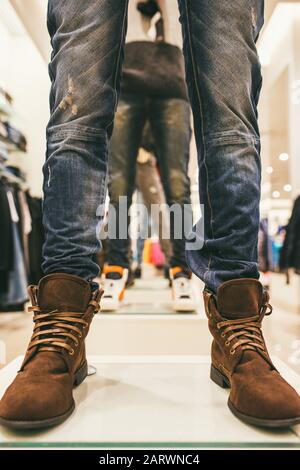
x=24 y=52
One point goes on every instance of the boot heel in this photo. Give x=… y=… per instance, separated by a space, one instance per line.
x=219 y=378
x=81 y=374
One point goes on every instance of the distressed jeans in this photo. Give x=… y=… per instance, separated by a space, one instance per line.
x=224 y=80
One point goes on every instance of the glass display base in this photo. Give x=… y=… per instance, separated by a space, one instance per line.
x=150 y=401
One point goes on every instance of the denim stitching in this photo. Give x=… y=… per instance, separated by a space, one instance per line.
x=232 y=137
x=87 y=134
x=232 y=141
x=196 y=78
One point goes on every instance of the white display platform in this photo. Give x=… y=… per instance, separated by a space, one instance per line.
x=150 y=400
x=146 y=324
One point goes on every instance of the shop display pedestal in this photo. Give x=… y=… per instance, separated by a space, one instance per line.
x=150 y=401
x=146 y=324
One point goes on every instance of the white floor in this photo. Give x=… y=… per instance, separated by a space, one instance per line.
x=140 y=400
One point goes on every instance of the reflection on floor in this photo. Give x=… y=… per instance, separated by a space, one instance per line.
x=152 y=380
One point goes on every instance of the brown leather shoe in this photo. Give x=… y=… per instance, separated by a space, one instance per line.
x=240 y=360
x=41 y=394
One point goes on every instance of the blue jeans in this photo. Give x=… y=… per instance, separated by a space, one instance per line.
x=224 y=80
x=170 y=126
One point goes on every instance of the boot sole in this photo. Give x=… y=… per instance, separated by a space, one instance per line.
x=80 y=375
x=221 y=380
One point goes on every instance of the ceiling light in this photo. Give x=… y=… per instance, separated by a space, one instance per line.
x=287 y=188
x=269 y=170
x=276 y=194
x=283 y=157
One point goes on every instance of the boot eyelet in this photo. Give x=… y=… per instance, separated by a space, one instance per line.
x=227 y=343
x=223 y=335
x=232 y=352
x=71 y=352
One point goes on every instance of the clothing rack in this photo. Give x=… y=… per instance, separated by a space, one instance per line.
x=21 y=228
x=12 y=179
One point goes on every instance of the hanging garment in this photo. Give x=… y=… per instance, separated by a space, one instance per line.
x=35 y=239
x=27 y=227
x=5 y=102
x=290 y=253
x=3 y=152
x=3 y=133
x=14 y=297
x=264 y=247
x=15 y=137
x=6 y=248
x=17 y=203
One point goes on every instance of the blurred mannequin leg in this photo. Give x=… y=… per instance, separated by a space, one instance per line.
x=170 y=123
x=149 y=183
x=128 y=128
x=125 y=142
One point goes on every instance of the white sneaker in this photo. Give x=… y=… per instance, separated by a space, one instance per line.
x=114 y=289
x=183 y=295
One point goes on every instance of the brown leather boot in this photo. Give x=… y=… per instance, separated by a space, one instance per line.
x=55 y=361
x=240 y=360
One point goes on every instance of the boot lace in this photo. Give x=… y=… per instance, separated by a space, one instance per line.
x=53 y=329
x=247 y=331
